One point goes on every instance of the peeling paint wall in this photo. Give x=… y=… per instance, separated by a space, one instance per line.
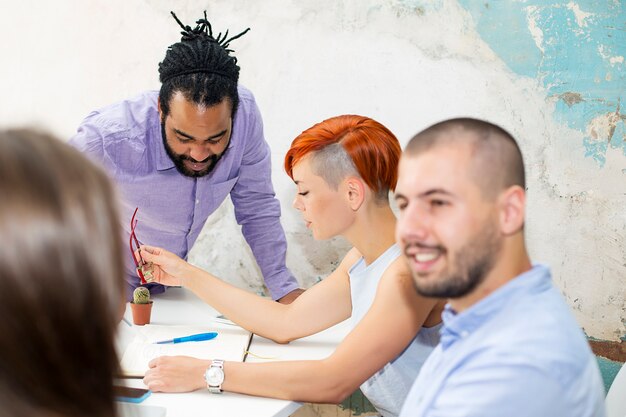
x=551 y=72
x=575 y=50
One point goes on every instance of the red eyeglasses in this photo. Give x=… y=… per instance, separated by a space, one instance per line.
x=144 y=269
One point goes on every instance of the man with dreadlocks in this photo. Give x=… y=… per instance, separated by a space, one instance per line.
x=177 y=153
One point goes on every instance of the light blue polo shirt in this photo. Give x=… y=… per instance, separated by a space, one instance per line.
x=518 y=352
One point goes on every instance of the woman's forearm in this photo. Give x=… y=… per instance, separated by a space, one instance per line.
x=309 y=381
x=252 y=312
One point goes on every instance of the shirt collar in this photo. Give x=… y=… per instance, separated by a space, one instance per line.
x=163 y=161
x=461 y=325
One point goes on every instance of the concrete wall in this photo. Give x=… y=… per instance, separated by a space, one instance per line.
x=551 y=72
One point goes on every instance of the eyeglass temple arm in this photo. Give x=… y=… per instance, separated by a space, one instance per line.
x=140 y=262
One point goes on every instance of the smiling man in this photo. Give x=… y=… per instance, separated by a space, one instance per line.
x=510 y=345
x=176 y=154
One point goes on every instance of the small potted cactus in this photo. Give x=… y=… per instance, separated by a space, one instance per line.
x=141 y=306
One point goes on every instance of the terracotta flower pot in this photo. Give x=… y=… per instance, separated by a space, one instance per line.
x=141 y=313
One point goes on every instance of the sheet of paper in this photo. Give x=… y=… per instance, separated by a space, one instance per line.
x=230 y=345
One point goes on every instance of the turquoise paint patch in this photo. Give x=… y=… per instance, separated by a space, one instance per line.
x=358 y=404
x=595 y=150
x=504 y=28
x=609 y=370
x=575 y=49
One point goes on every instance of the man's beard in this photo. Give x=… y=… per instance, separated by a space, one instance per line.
x=179 y=159
x=470 y=266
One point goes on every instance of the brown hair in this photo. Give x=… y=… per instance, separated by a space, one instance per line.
x=61 y=278
x=497 y=160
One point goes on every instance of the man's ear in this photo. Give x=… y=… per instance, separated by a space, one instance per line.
x=356 y=192
x=512 y=207
x=159 y=108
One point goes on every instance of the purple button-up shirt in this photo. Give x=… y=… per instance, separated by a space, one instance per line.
x=126 y=139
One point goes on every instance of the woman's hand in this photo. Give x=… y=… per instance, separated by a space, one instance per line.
x=176 y=374
x=167 y=268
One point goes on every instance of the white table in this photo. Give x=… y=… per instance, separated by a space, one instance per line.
x=180 y=306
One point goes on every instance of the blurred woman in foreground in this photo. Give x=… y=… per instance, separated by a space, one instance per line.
x=61 y=280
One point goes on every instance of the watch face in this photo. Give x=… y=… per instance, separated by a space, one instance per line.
x=214 y=375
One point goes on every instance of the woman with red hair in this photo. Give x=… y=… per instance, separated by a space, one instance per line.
x=344 y=168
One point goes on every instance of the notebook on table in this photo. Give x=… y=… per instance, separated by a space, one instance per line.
x=230 y=344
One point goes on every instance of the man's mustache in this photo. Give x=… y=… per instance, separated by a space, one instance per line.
x=189 y=158
x=419 y=245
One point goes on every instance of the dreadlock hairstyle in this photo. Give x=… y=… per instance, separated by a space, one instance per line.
x=200 y=67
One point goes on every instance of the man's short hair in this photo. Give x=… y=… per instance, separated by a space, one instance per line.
x=497 y=161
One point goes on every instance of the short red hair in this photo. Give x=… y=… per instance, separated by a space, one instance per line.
x=374 y=150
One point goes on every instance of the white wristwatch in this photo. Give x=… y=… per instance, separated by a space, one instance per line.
x=214 y=376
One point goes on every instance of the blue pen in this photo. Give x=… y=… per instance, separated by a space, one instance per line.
x=193 y=338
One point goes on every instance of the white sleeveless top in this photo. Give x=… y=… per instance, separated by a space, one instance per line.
x=387 y=389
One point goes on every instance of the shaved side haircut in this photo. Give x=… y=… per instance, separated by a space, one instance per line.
x=333 y=164
x=497 y=161
x=349 y=145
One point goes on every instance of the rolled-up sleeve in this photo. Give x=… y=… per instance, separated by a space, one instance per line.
x=258 y=211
